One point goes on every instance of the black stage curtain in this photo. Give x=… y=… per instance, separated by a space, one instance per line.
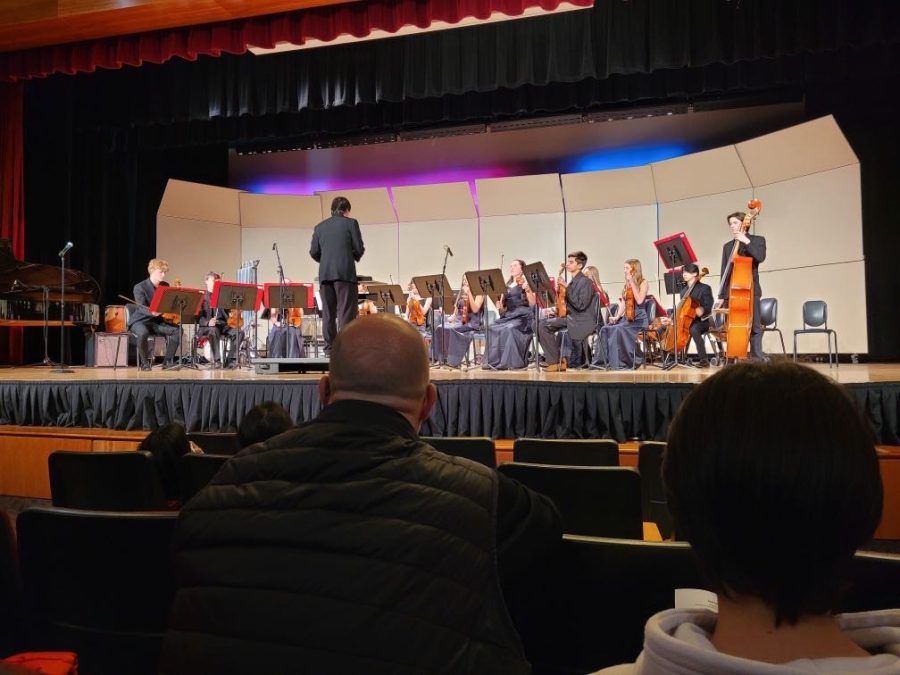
x=99 y=147
x=495 y=408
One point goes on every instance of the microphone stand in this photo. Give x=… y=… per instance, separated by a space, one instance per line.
x=61 y=368
x=443 y=359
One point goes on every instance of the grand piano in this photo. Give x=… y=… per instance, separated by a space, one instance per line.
x=25 y=288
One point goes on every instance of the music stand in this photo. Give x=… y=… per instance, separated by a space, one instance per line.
x=185 y=302
x=233 y=295
x=539 y=282
x=437 y=287
x=490 y=284
x=292 y=296
x=675 y=252
x=386 y=296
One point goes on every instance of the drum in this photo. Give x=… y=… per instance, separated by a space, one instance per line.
x=114 y=319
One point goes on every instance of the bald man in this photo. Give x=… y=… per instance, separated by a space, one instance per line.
x=349 y=545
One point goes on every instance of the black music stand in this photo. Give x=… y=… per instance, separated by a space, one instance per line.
x=437 y=287
x=536 y=276
x=292 y=296
x=490 y=284
x=675 y=252
x=386 y=296
x=233 y=295
x=185 y=302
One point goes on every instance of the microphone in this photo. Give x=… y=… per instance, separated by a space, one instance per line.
x=274 y=245
x=65 y=249
x=447 y=250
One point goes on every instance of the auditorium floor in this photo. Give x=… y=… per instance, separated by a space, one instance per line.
x=845 y=374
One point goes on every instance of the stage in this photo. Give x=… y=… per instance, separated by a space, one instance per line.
x=623 y=405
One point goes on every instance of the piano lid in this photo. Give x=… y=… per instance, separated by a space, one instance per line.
x=25 y=280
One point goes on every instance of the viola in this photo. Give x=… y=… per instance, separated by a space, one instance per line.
x=629 y=303
x=235 y=319
x=295 y=317
x=414 y=312
x=561 y=294
x=464 y=314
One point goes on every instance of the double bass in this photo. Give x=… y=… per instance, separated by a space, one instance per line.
x=740 y=294
x=679 y=332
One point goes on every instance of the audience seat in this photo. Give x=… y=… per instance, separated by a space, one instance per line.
x=12 y=636
x=601 y=501
x=105 y=481
x=195 y=472
x=477 y=448
x=653 y=494
x=99 y=584
x=215 y=443
x=566 y=452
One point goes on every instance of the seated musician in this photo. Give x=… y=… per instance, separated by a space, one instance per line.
x=285 y=340
x=416 y=309
x=593 y=274
x=452 y=340
x=366 y=306
x=580 y=318
x=213 y=324
x=616 y=346
x=510 y=335
x=144 y=323
x=701 y=306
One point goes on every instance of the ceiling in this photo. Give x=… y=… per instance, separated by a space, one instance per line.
x=25 y=24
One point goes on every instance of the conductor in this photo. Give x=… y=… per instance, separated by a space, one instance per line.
x=337 y=246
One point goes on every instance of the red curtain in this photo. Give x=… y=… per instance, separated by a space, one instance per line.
x=322 y=23
x=12 y=201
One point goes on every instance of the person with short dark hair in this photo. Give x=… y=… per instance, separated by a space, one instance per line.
x=262 y=422
x=337 y=246
x=775 y=510
x=701 y=304
x=582 y=312
x=349 y=545
x=752 y=246
x=213 y=325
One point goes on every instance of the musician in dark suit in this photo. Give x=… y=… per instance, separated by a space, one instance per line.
x=337 y=246
x=143 y=323
x=751 y=246
x=581 y=316
x=213 y=323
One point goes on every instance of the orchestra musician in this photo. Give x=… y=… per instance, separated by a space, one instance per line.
x=616 y=341
x=213 y=324
x=458 y=330
x=144 y=323
x=580 y=316
x=366 y=307
x=285 y=339
x=702 y=296
x=752 y=246
x=416 y=309
x=593 y=274
x=509 y=335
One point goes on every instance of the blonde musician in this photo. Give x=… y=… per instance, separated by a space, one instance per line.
x=366 y=306
x=580 y=316
x=144 y=323
x=593 y=274
x=702 y=296
x=213 y=324
x=616 y=342
x=752 y=246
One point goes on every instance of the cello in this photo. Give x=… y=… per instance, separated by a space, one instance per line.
x=679 y=332
x=740 y=294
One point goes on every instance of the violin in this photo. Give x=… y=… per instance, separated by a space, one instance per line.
x=414 y=312
x=172 y=317
x=629 y=303
x=235 y=319
x=295 y=317
x=464 y=314
x=561 y=294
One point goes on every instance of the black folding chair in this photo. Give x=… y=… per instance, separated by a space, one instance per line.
x=592 y=500
x=99 y=584
x=105 y=481
x=195 y=472
x=477 y=448
x=653 y=494
x=566 y=452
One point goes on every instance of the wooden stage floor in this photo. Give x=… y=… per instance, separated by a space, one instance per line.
x=845 y=374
